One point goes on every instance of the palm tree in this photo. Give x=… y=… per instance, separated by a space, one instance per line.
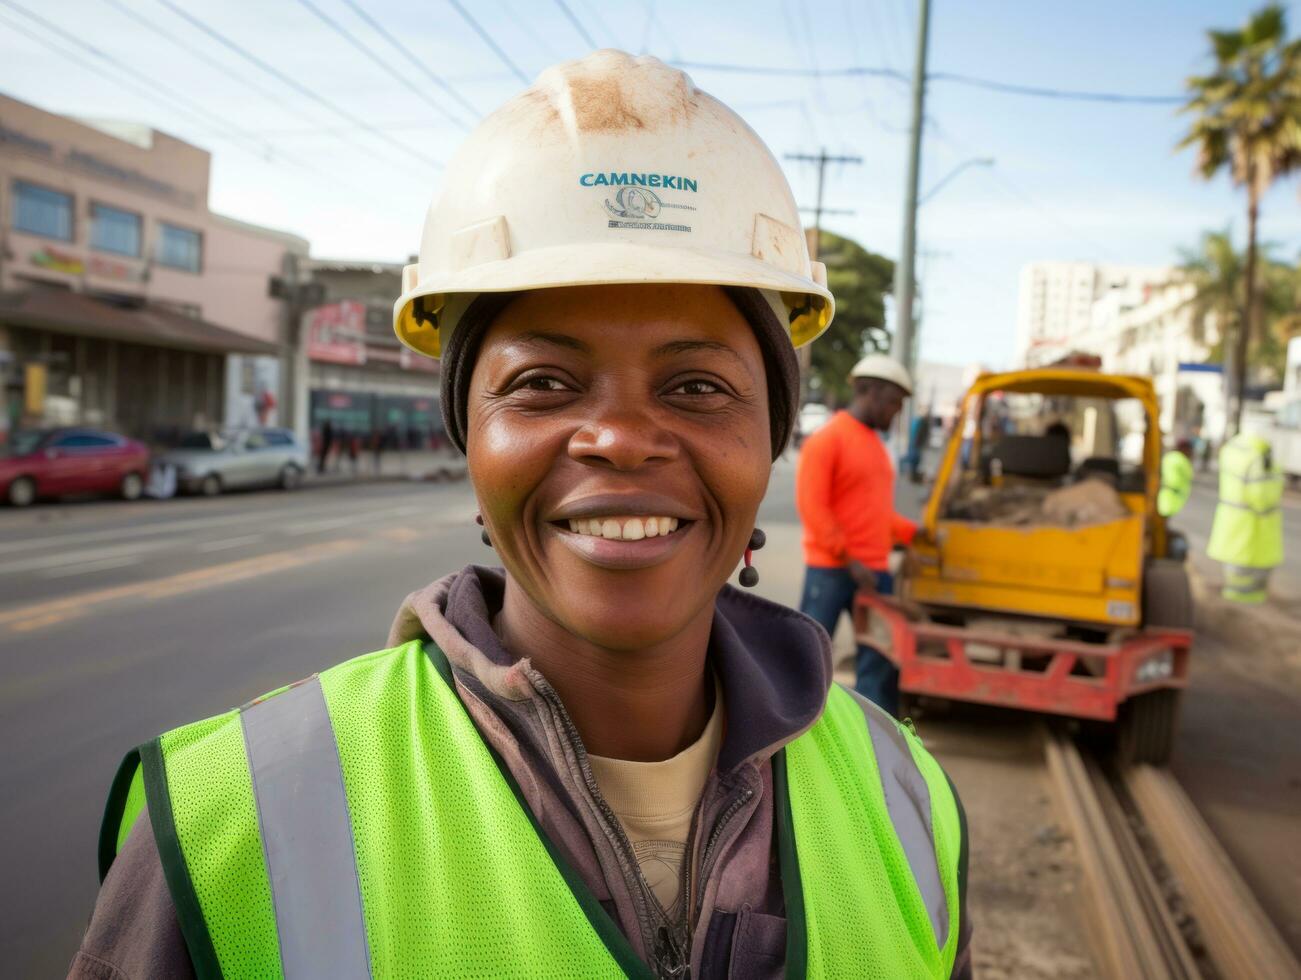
x=1247 y=119
x=1215 y=270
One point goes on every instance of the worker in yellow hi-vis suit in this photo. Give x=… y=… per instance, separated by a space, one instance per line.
x=1247 y=535
x=1176 y=479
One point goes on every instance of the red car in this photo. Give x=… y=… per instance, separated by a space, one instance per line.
x=58 y=462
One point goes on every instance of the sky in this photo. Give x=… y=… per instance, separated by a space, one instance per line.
x=340 y=140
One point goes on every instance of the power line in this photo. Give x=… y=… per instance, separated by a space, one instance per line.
x=994 y=85
x=75 y=59
x=822 y=158
x=297 y=86
x=197 y=52
x=191 y=49
x=487 y=39
x=850 y=72
x=151 y=87
x=1055 y=93
x=148 y=91
x=419 y=65
x=577 y=24
x=388 y=69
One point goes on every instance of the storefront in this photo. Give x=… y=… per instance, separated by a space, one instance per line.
x=148 y=372
x=363 y=383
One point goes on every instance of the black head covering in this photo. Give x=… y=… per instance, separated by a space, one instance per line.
x=781 y=368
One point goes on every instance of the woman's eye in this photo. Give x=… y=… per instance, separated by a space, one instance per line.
x=697 y=387
x=542 y=383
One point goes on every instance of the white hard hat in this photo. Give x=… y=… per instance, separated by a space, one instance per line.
x=610 y=169
x=884 y=368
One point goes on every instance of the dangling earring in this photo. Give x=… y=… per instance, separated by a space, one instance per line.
x=750 y=574
x=478 y=519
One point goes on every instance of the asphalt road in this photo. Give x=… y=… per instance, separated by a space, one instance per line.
x=120 y=621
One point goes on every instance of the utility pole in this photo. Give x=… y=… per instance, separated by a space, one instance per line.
x=821 y=159
x=813 y=237
x=905 y=283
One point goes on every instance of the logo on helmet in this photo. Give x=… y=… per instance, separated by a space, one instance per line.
x=634 y=202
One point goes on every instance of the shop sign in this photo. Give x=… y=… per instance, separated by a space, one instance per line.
x=112 y=269
x=58 y=261
x=336 y=333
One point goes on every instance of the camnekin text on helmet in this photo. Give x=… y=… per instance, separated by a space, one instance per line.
x=612 y=179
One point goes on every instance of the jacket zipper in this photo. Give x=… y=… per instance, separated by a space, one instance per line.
x=669 y=960
x=719 y=826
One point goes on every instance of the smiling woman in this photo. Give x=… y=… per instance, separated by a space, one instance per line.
x=599 y=759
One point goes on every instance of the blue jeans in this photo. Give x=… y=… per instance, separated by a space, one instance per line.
x=828 y=592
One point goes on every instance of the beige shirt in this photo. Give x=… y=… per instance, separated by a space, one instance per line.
x=655 y=802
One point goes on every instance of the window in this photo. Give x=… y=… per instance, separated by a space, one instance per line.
x=114 y=230
x=276 y=437
x=179 y=248
x=85 y=441
x=41 y=211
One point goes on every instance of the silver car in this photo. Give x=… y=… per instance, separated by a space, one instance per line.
x=210 y=463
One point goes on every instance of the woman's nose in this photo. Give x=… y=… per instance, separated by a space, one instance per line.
x=623 y=439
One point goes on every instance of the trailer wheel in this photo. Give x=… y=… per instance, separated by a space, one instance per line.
x=1146 y=728
x=1167 y=596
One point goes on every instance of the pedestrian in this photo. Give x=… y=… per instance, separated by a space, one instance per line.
x=844 y=490
x=1176 y=479
x=327 y=443
x=599 y=760
x=919 y=436
x=352 y=442
x=377 y=448
x=1247 y=532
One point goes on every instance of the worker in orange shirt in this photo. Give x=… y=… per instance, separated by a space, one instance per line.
x=844 y=490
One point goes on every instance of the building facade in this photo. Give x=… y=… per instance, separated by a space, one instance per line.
x=1154 y=332
x=124 y=301
x=362 y=383
x=1137 y=320
x=1056 y=300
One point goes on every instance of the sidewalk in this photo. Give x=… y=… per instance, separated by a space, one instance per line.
x=424 y=465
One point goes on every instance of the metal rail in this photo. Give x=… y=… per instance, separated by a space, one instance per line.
x=1241 y=939
x=1134 y=929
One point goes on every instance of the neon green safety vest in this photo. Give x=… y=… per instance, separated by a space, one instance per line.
x=1248 y=526
x=1176 y=483
x=357 y=825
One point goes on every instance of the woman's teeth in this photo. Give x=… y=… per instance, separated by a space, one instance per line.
x=625 y=528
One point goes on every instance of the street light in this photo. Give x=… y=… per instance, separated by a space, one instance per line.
x=964 y=165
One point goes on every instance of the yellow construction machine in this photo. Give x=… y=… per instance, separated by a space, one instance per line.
x=1043 y=577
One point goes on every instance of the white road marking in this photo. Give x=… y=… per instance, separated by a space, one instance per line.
x=36 y=563
x=166 y=527
x=85 y=568
x=366 y=517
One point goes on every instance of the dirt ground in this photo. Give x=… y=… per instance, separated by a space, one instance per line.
x=1025 y=895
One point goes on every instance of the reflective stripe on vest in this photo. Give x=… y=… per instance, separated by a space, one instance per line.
x=306 y=834
x=299 y=839
x=908 y=799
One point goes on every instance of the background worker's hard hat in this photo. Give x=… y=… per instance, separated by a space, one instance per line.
x=885 y=369
x=610 y=169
